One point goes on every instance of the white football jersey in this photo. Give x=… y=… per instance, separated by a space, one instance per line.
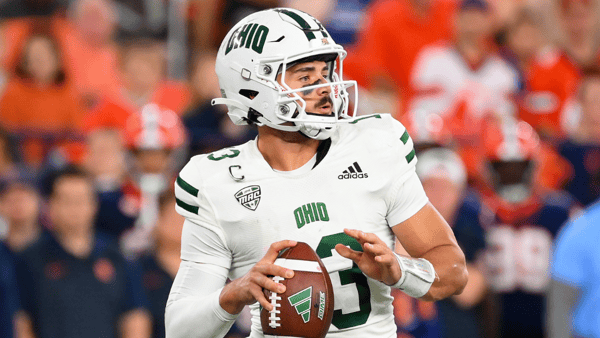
x=361 y=183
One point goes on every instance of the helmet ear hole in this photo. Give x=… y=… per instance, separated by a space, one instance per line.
x=251 y=94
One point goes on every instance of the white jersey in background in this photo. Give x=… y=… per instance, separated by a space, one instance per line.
x=236 y=205
x=442 y=80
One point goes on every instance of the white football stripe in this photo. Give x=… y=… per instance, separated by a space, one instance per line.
x=298 y=265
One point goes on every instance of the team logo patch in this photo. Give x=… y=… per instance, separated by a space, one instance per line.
x=301 y=302
x=249 y=197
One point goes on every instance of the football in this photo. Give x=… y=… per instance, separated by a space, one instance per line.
x=305 y=309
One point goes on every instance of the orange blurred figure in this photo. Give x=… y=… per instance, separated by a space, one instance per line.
x=550 y=78
x=40 y=105
x=395 y=32
x=142 y=66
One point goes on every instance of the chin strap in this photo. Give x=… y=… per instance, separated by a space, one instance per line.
x=229 y=102
x=261 y=119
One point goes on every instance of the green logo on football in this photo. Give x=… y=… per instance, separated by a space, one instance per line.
x=301 y=301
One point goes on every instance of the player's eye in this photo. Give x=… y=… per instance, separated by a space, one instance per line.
x=304 y=78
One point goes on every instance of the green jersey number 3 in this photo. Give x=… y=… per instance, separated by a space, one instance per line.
x=234 y=153
x=350 y=276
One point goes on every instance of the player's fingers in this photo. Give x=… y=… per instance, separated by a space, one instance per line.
x=258 y=294
x=275 y=270
x=368 y=237
x=386 y=260
x=346 y=252
x=376 y=249
x=363 y=237
x=352 y=233
x=276 y=247
x=267 y=283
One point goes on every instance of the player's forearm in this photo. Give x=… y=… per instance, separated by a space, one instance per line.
x=197 y=317
x=450 y=267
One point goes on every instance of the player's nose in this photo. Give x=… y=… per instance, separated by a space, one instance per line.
x=325 y=90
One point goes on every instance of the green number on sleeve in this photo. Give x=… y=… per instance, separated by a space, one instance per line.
x=234 y=153
x=350 y=276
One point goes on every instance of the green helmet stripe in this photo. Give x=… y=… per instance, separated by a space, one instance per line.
x=305 y=26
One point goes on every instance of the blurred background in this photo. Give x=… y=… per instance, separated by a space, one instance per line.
x=103 y=101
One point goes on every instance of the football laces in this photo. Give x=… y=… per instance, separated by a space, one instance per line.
x=274 y=298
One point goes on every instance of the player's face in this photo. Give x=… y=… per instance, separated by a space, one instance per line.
x=152 y=161
x=318 y=101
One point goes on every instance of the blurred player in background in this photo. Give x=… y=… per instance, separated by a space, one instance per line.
x=74 y=283
x=574 y=290
x=279 y=69
x=157 y=146
x=524 y=221
x=444 y=179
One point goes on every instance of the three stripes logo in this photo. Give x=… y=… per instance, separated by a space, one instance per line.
x=353 y=172
x=301 y=302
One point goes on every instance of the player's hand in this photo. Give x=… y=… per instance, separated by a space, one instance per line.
x=248 y=289
x=377 y=260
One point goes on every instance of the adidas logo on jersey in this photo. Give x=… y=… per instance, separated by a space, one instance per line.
x=353 y=172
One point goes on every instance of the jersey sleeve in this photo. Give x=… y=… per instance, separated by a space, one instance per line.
x=203 y=240
x=405 y=195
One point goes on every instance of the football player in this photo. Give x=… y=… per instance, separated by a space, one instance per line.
x=316 y=173
x=521 y=221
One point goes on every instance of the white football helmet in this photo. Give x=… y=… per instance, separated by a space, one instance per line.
x=262 y=46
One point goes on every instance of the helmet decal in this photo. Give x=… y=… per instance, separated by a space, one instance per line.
x=248 y=36
x=304 y=26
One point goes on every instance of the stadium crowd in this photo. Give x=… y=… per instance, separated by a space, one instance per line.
x=103 y=101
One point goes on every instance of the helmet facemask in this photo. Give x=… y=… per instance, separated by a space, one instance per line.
x=291 y=107
x=513 y=179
